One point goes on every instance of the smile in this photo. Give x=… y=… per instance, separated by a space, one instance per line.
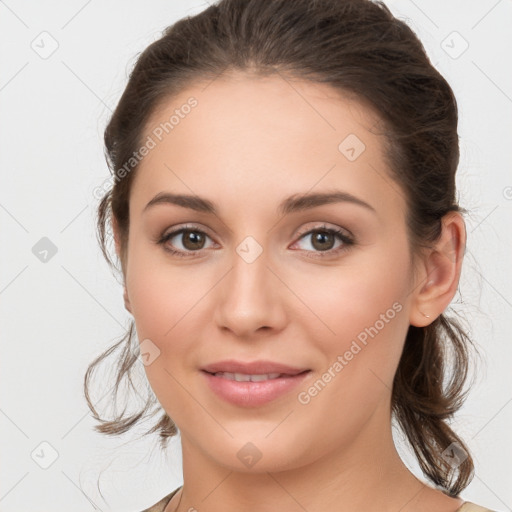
x=243 y=377
x=252 y=390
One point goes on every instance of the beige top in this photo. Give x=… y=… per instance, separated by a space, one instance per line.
x=467 y=506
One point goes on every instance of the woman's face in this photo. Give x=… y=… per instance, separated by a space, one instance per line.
x=260 y=278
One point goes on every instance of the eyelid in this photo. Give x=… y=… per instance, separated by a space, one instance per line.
x=326 y=226
x=184 y=227
x=177 y=230
x=344 y=235
x=346 y=238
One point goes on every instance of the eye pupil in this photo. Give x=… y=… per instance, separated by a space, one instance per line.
x=320 y=237
x=196 y=239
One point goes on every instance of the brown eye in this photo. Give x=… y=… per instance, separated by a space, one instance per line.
x=185 y=241
x=192 y=240
x=323 y=240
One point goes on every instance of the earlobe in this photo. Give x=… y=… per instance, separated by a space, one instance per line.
x=440 y=272
x=422 y=312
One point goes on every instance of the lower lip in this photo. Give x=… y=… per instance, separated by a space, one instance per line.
x=252 y=394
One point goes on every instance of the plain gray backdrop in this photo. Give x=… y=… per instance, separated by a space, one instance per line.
x=63 y=67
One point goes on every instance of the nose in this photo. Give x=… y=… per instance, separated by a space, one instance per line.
x=251 y=298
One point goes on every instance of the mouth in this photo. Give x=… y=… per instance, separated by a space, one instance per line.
x=252 y=389
x=262 y=377
x=256 y=368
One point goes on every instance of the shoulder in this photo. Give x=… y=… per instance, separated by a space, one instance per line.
x=160 y=506
x=468 y=506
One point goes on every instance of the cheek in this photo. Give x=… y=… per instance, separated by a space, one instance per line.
x=171 y=305
x=165 y=302
x=350 y=299
x=160 y=293
x=363 y=313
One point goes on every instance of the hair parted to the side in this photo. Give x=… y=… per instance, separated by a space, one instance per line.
x=358 y=48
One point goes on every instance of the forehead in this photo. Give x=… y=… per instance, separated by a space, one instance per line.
x=256 y=108
x=250 y=138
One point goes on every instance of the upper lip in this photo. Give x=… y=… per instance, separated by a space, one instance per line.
x=252 y=368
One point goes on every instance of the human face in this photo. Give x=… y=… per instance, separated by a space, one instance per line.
x=252 y=285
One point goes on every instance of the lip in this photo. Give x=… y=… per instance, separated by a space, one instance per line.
x=253 y=367
x=248 y=393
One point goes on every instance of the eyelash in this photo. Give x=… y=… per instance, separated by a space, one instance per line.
x=348 y=241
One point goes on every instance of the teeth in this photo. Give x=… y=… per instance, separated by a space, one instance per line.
x=243 y=377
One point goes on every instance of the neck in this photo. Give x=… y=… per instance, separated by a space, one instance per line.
x=366 y=474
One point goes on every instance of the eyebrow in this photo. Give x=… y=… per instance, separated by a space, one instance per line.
x=294 y=203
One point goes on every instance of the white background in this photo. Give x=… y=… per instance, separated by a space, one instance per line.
x=57 y=316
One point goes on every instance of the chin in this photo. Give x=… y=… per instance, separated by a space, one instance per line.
x=261 y=455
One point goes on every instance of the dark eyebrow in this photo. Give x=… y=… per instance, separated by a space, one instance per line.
x=300 y=202
x=193 y=202
x=295 y=203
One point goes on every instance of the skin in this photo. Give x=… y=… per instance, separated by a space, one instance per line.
x=249 y=144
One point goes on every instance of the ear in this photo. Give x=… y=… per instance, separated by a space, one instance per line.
x=117 y=241
x=438 y=272
x=127 y=304
x=117 y=237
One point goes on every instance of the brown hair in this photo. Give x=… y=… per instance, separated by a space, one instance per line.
x=359 y=48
